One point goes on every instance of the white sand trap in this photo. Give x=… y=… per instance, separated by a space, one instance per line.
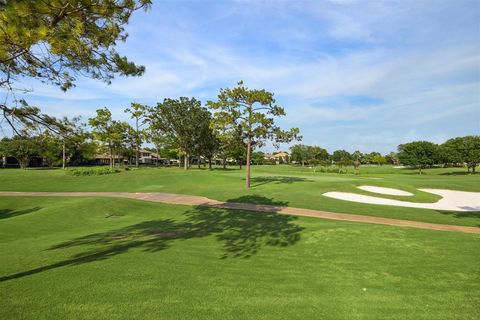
x=389 y=191
x=451 y=200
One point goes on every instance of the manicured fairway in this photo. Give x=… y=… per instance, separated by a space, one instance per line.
x=98 y=258
x=282 y=185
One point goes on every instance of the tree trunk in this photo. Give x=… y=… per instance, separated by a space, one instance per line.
x=249 y=147
x=63 y=155
x=137 y=144
x=23 y=162
x=110 y=150
x=185 y=161
x=198 y=162
x=113 y=157
x=224 y=163
x=158 y=156
x=137 y=156
x=210 y=163
x=420 y=170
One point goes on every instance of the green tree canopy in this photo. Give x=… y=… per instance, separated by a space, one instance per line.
x=418 y=154
x=22 y=148
x=252 y=112
x=462 y=150
x=109 y=132
x=183 y=121
x=54 y=41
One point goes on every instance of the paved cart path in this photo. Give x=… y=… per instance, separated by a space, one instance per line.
x=203 y=201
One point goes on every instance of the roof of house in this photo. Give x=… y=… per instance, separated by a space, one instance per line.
x=281 y=154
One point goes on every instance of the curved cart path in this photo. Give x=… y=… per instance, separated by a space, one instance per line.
x=171 y=198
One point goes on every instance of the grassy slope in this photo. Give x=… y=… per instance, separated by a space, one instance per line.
x=287 y=185
x=103 y=258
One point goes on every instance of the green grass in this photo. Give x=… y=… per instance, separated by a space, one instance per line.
x=99 y=258
x=286 y=185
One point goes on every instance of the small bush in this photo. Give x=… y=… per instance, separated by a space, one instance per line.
x=94 y=171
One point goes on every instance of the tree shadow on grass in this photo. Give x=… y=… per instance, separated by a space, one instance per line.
x=462 y=214
x=256 y=199
x=242 y=234
x=259 y=181
x=10 y=213
x=459 y=173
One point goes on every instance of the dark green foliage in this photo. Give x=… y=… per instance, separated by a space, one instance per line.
x=186 y=124
x=54 y=41
x=461 y=150
x=309 y=154
x=418 y=154
x=258 y=157
x=93 y=171
x=21 y=148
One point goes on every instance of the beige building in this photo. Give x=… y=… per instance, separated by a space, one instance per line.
x=278 y=157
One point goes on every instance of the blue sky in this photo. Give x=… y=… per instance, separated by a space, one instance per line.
x=365 y=75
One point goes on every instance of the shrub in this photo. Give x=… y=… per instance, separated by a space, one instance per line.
x=94 y=171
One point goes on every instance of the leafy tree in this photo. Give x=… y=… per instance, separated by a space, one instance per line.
x=358 y=156
x=258 y=157
x=55 y=41
x=156 y=136
x=207 y=144
x=111 y=133
x=72 y=134
x=182 y=120
x=128 y=144
x=462 y=149
x=252 y=112
x=341 y=155
x=342 y=158
x=50 y=148
x=123 y=140
x=379 y=159
x=228 y=136
x=418 y=154
x=205 y=141
x=169 y=153
x=319 y=154
x=308 y=154
x=22 y=148
x=369 y=158
x=83 y=151
x=139 y=113
x=392 y=158
x=238 y=149
x=298 y=153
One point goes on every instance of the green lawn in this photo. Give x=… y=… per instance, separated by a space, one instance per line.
x=99 y=258
x=286 y=185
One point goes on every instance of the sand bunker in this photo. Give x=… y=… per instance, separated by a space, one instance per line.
x=389 y=191
x=451 y=200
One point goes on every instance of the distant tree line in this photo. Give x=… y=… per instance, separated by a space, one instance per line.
x=460 y=151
